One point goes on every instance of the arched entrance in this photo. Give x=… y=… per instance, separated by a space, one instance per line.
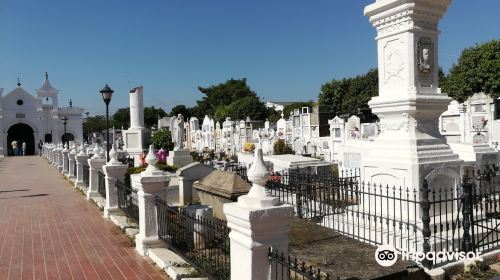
x=67 y=137
x=22 y=133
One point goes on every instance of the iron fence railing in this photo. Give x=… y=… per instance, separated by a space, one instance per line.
x=237 y=168
x=127 y=200
x=287 y=267
x=101 y=184
x=86 y=174
x=203 y=242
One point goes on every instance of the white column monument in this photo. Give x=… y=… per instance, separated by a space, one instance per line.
x=409 y=148
x=134 y=137
x=257 y=222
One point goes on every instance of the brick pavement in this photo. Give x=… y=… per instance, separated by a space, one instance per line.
x=48 y=230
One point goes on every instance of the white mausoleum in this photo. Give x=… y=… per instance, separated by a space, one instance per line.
x=29 y=119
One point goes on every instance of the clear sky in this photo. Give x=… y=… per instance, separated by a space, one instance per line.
x=285 y=48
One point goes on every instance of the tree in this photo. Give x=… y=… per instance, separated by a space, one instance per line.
x=224 y=95
x=94 y=124
x=289 y=108
x=477 y=70
x=272 y=115
x=152 y=114
x=180 y=109
x=351 y=95
x=281 y=148
x=121 y=118
x=249 y=106
x=162 y=138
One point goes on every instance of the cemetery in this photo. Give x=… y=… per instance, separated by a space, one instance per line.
x=307 y=196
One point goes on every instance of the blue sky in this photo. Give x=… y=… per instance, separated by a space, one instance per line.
x=285 y=48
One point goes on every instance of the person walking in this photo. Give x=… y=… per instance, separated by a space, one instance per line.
x=40 y=146
x=14 y=147
x=24 y=149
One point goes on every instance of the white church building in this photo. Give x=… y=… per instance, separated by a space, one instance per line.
x=29 y=119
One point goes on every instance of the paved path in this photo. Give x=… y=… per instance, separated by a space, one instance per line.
x=48 y=230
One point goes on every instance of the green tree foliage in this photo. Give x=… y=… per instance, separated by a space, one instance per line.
x=121 y=118
x=152 y=114
x=351 y=95
x=233 y=98
x=272 y=115
x=94 y=124
x=180 y=109
x=477 y=70
x=281 y=148
x=289 y=108
x=162 y=138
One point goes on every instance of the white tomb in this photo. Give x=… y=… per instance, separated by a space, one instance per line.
x=134 y=137
x=410 y=148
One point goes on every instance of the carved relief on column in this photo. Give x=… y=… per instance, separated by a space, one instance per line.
x=394 y=125
x=394 y=62
x=424 y=57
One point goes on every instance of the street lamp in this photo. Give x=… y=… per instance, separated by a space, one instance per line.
x=65 y=122
x=107 y=92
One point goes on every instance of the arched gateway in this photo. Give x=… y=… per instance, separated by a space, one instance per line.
x=22 y=133
x=31 y=119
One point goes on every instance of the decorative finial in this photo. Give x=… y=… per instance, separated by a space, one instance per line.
x=258 y=196
x=18 y=82
x=151 y=160
x=70 y=103
x=82 y=150
x=113 y=155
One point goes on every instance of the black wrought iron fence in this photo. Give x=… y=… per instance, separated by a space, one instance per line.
x=202 y=242
x=482 y=203
x=239 y=169
x=74 y=168
x=101 y=184
x=287 y=267
x=127 y=200
x=86 y=174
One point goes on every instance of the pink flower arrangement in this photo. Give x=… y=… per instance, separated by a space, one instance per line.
x=161 y=155
x=142 y=159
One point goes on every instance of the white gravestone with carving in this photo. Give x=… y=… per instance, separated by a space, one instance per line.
x=179 y=157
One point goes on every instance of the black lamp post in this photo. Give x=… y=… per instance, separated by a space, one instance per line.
x=107 y=92
x=65 y=122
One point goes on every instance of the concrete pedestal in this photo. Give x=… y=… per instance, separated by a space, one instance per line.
x=113 y=173
x=179 y=158
x=148 y=186
x=95 y=166
x=253 y=232
x=65 y=158
x=71 y=165
x=81 y=159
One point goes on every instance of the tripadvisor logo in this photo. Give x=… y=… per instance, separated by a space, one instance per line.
x=387 y=255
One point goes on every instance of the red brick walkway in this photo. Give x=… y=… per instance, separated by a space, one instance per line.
x=48 y=230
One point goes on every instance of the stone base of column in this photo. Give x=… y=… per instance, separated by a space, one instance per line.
x=179 y=158
x=108 y=211
x=253 y=231
x=91 y=194
x=79 y=184
x=143 y=244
